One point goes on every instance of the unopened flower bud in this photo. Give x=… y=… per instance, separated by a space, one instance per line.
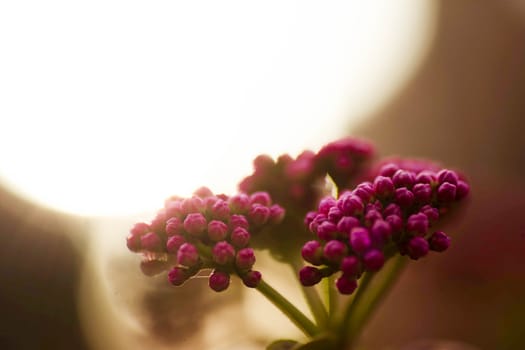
x=310 y=276
x=346 y=284
x=439 y=241
x=223 y=253
x=195 y=224
x=217 y=230
x=417 y=247
x=219 y=281
x=245 y=259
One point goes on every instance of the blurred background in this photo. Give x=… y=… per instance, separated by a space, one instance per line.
x=107 y=108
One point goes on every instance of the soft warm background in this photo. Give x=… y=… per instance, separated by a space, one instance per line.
x=464 y=105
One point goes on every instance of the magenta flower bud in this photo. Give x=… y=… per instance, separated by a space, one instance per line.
x=309 y=217
x=259 y=214
x=347 y=223
x=245 y=259
x=403 y=178
x=192 y=205
x=431 y=213
x=422 y=193
x=417 y=248
x=240 y=203
x=373 y=260
x=426 y=177
x=240 y=237
x=350 y=266
x=237 y=220
x=263 y=162
x=326 y=204
x=383 y=186
x=203 y=192
x=372 y=216
x=219 y=281
x=262 y=198
x=449 y=176
x=220 y=210
x=462 y=189
x=312 y=252
x=346 y=285
x=223 y=253
x=217 y=230
x=365 y=191
x=133 y=243
x=396 y=223
x=177 y=276
x=159 y=222
x=334 y=214
x=174 y=226
x=388 y=170
x=380 y=232
x=334 y=251
x=351 y=205
x=276 y=214
x=174 y=242
x=187 y=255
x=439 y=241
x=318 y=219
x=404 y=197
x=151 y=241
x=251 y=279
x=195 y=224
x=310 y=276
x=360 y=239
x=392 y=209
x=417 y=223
x=173 y=209
x=446 y=192
x=140 y=229
x=327 y=230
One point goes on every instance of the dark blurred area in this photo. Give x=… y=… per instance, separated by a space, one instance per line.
x=40 y=268
x=465 y=106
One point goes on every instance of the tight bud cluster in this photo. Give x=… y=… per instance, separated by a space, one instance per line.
x=297 y=183
x=205 y=231
x=393 y=213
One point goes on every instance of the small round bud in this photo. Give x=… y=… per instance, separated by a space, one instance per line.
x=417 y=248
x=346 y=285
x=373 y=260
x=350 y=266
x=326 y=204
x=383 y=186
x=217 y=230
x=259 y=214
x=195 y=224
x=388 y=170
x=262 y=198
x=251 y=279
x=220 y=210
x=422 y=193
x=177 y=276
x=237 y=220
x=446 y=192
x=417 y=223
x=310 y=276
x=327 y=230
x=403 y=178
x=245 y=259
x=462 y=189
x=404 y=197
x=240 y=203
x=312 y=252
x=360 y=239
x=188 y=255
x=223 y=253
x=439 y=241
x=219 y=281
x=276 y=214
x=151 y=241
x=334 y=251
x=449 y=176
x=240 y=237
x=351 y=205
x=347 y=223
x=174 y=242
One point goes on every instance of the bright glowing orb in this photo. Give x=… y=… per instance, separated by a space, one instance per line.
x=108 y=107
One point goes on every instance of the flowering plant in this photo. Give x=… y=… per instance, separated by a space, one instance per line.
x=336 y=216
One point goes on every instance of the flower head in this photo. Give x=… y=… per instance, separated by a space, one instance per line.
x=205 y=231
x=395 y=212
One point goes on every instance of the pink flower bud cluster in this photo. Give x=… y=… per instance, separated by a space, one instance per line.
x=362 y=228
x=297 y=184
x=205 y=231
x=344 y=159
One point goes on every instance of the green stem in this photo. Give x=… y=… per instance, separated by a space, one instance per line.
x=352 y=307
x=312 y=299
x=379 y=293
x=294 y=314
x=332 y=297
